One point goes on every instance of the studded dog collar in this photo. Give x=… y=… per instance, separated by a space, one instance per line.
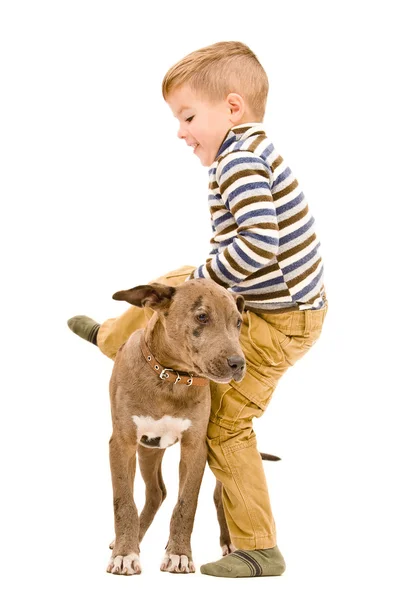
x=169 y=375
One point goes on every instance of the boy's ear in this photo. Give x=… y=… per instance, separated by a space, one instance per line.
x=156 y=295
x=236 y=106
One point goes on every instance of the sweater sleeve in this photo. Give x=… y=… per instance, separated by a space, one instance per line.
x=244 y=184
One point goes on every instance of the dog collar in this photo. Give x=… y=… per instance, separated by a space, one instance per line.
x=169 y=375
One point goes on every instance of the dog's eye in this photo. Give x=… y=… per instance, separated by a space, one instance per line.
x=239 y=323
x=202 y=318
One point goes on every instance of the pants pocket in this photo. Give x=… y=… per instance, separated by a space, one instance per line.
x=254 y=388
x=265 y=341
x=218 y=392
x=233 y=404
x=295 y=347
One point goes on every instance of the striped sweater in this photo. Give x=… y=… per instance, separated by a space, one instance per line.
x=264 y=246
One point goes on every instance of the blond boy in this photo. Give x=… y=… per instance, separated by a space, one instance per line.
x=263 y=247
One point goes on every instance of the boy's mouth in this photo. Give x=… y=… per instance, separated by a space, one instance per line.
x=194 y=146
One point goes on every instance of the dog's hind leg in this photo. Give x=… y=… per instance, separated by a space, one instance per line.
x=150 y=467
x=224 y=539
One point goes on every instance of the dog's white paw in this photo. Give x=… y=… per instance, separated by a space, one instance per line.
x=228 y=549
x=124 y=565
x=175 y=563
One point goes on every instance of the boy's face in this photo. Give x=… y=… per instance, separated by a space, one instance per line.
x=202 y=124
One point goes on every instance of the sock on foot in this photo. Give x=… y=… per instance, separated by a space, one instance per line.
x=85 y=327
x=247 y=563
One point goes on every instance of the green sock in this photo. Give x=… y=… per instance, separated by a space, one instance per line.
x=247 y=563
x=85 y=327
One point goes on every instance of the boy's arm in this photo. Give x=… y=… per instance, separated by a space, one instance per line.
x=244 y=185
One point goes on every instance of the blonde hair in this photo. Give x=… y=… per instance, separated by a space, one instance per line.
x=220 y=69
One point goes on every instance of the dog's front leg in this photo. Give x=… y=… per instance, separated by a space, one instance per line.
x=125 y=555
x=178 y=557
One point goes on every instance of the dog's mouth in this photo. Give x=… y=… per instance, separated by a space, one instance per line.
x=222 y=377
x=239 y=376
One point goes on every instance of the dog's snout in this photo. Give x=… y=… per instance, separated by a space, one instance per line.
x=236 y=362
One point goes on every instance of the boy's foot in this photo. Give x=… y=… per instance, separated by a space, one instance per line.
x=85 y=327
x=247 y=563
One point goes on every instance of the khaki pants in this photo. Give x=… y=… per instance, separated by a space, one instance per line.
x=271 y=344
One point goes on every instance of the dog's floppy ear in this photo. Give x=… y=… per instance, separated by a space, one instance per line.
x=155 y=295
x=240 y=302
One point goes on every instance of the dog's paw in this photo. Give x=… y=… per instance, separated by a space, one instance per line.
x=124 y=565
x=175 y=563
x=227 y=549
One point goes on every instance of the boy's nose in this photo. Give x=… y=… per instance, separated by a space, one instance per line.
x=181 y=134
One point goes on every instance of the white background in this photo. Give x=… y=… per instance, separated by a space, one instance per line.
x=98 y=194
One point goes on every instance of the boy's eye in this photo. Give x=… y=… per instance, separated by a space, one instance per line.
x=189 y=119
x=239 y=323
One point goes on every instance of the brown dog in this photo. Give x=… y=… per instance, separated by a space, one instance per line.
x=160 y=395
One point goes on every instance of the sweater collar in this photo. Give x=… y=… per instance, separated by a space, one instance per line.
x=239 y=133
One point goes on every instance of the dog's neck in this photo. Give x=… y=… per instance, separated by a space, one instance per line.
x=166 y=354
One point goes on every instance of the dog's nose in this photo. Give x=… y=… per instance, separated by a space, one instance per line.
x=237 y=363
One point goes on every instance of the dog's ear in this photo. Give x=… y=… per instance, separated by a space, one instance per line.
x=155 y=295
x=240 y=302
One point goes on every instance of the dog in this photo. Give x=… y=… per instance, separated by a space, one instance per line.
x=160 y=395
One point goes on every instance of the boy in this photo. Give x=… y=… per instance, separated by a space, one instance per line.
x=264 y=248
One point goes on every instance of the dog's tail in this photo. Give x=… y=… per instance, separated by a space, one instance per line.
x=269 y=456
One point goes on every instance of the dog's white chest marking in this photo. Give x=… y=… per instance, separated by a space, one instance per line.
x=160 y=433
